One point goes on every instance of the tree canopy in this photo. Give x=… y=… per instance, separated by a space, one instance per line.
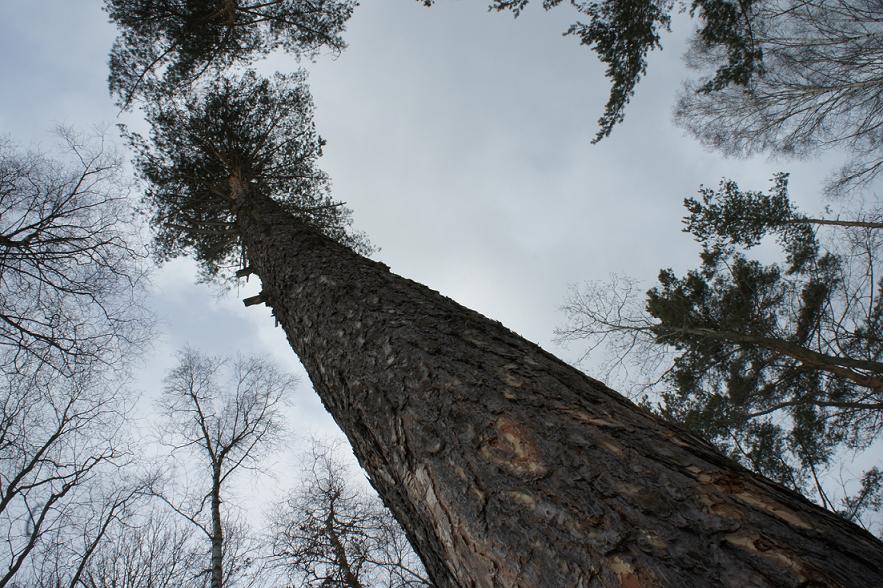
x=167 y=44
x=243 y=129
x=819 y=88
x=70 y=265
x=786 y=77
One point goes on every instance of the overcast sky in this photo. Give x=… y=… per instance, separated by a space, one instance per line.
x=461 y=140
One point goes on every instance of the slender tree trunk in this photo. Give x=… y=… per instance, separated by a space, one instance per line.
x=835 y=222
x=508 y=467
x=340 y=551
x=217 y=539
x=845 y=367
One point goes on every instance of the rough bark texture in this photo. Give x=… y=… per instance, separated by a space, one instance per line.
x=508 y=467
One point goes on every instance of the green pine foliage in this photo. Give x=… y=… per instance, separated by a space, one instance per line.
x=781 y=365
x=778 y=364
x=243 y=128
x=167 y=44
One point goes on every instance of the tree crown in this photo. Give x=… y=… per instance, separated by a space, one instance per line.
x=777 y=364
x=167 y=44
x=234 y=132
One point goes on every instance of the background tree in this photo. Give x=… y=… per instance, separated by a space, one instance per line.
x=152 y=549
x=228 y=425
x=62 y=471
x=70 y=284
x=169 y=43
x=780 y=365
x=502 y=463
x=70 y=273
x=819 y=87
x=329 y=534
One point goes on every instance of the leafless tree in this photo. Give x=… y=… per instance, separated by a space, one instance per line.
x=820 y=87
x=226 y=414
x=62 y=462
x=327 y=533
x=150 y=549
x=70 y=275
x=70 y=284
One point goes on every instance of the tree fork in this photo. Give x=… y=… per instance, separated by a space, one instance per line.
x=508 y=467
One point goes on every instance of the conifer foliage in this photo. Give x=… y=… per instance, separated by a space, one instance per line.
x=779 y=364
x=165 y=44
x=257 y=130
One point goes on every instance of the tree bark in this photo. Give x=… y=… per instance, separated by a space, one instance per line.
x=508 y=467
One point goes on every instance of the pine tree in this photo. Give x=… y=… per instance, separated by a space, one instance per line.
x=504 y=465
x=779 y=364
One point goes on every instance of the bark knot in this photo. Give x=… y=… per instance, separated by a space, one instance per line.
x=512 y=447
x=625 y=572
x=758 y=545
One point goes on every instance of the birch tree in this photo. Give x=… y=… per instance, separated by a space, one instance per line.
x=330 y=533
x=227 y=425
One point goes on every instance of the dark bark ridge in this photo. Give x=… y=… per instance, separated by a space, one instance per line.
x=508 y=467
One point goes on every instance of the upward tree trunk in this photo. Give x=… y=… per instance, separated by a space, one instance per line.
x=506 y=466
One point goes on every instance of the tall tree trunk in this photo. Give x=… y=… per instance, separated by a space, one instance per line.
x=217 y=538
x=508 y=467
